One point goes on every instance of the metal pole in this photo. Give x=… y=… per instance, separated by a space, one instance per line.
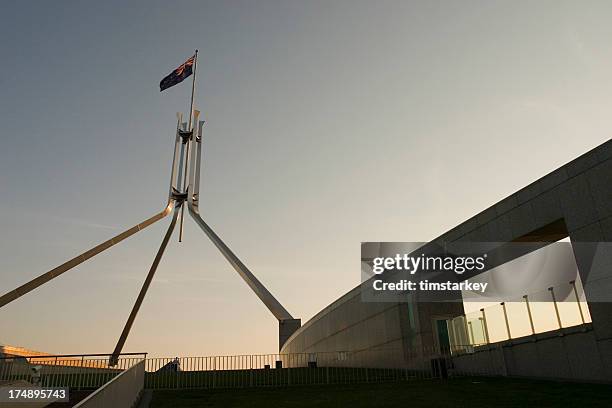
x=143 y=291
x=573 y=283
x=503 y=304
x=472 y=333
x=552 y=293
x=190 y=129
x=260 y=290
x=195 y=67
x=66 y=266
x=177 y=141
x=196 y=160
x=484 y=325
x=179 y=181
x=529 y=313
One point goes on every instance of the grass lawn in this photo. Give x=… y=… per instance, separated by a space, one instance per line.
x=461 y=392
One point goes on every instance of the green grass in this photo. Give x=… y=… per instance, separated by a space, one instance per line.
x=461 y=392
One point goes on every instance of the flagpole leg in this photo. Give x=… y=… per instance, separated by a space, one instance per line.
x=79 y=259
x=143 y=292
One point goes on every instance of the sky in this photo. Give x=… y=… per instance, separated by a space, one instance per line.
x=329 y=123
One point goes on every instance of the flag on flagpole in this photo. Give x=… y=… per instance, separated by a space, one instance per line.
x=178 y=75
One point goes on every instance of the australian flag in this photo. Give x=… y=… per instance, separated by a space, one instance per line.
x=178 y=75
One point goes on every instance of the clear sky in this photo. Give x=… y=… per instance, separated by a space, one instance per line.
x=329 y=123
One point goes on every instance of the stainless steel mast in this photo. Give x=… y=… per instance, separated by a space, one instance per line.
x=188 y=157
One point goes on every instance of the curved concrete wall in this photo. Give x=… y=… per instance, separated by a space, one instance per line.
x=577 y=196
x=351 y=325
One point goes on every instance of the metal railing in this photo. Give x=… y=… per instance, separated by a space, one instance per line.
x=546 y=310
x=84 y=371
x=298 y=369
x=245 y=371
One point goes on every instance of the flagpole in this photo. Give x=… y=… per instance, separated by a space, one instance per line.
x=195 y=67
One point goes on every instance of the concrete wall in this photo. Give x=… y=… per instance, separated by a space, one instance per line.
x=580 y=195
x=123 y=391
x=351 y=325
x=574 y=200
x=567 y=354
